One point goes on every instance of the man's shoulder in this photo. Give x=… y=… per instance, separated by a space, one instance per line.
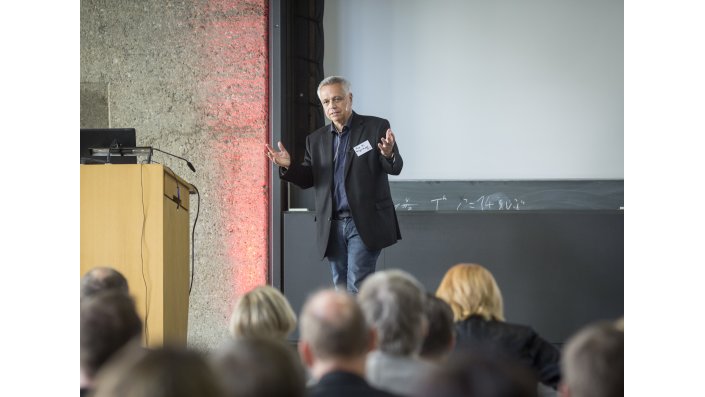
x=343 y=384
x=371 y=119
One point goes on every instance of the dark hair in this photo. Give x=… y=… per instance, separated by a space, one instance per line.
x=259 y=367
x=102 y=278
x=440 y=327
x=109 y=321
x=163 y=372
x=479 y=374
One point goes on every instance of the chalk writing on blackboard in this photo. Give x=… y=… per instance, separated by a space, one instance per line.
x=406 y=205
x=489 y=202
x=536 y=195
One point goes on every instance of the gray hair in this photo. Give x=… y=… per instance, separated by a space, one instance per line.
x=334 y=80
x=393 y=302
x=593 y=362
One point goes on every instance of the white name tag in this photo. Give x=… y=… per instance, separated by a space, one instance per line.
x=362 y=148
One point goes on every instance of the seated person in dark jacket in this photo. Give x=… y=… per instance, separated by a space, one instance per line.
x=334 y=343
x=476 y=301
x=479 y=374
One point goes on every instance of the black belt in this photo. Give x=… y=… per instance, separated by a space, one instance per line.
x=342 y=215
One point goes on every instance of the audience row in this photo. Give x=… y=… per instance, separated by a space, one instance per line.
x=392 y=339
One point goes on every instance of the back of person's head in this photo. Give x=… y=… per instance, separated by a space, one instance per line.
x=440 y=337
x=264 y=311
x=163 y=372
x=470 y=289
x=333 y=326
x=109 y=320
x=479 y=374
x=593 y=362
x=102 y=278
x=619 y=324
x=259 y=367
x=393 y=304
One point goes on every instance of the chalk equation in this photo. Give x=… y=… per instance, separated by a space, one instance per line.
x=488 y=202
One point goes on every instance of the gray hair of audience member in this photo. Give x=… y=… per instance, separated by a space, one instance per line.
x=109 y=320
x=479 y=374
x=439 y=339
x=259 y=367
x=334 y=80
x=102 y=278
x=334 y=326
x=393 y=303
x=162 y=372
x=593 y=362
x=264 y=311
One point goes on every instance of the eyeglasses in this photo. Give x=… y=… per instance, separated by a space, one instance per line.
x=335 y=100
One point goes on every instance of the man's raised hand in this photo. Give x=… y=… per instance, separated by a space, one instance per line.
x=386 y=146
x=280 y=158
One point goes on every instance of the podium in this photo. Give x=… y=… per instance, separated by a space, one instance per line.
x=135 y=218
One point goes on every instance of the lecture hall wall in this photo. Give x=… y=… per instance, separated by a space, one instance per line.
x=192 y=78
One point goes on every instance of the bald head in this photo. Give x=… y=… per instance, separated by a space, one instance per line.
x=102 y=278
x=333 y=325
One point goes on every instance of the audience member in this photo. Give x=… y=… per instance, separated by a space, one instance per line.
x=593 y=362
x=619 y=324
x=479 y=374
x=264 y=311
x=440 y=338
x=259 y=367
x=393 y=304
x=109 y=321
x=334 y=343
x=163 y=372
x=476 y=301
x=102 y=278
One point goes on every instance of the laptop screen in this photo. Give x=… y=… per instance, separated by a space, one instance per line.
x=94 y=138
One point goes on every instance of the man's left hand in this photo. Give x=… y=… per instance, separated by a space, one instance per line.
x=386 y=146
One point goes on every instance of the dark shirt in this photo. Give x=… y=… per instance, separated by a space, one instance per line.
x=340 y=152
x=344 y=384
x=517 y=341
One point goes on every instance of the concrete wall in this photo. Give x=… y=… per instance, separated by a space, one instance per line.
x=191 y=77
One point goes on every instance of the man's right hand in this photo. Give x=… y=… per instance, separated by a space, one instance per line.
x=280 y=158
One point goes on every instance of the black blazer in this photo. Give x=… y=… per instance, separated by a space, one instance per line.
x=344 y=384
x=517 y=341
x=366 y=182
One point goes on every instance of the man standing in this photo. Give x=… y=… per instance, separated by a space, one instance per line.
x=355 y=216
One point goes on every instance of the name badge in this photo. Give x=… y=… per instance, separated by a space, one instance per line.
x=362 y=148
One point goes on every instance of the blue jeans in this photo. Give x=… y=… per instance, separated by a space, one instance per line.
x=350 y=260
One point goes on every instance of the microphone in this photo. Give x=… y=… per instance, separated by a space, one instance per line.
x=181 y=158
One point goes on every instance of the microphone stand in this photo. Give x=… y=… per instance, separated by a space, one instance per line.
x=178 y=157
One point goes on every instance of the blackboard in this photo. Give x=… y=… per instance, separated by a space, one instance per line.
x=557 y=270
x=508 y=195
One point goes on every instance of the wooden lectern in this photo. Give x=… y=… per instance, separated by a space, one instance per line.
x=135 y=218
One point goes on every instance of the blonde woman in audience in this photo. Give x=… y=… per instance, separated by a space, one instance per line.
x=478 y=312
x=264 y=311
